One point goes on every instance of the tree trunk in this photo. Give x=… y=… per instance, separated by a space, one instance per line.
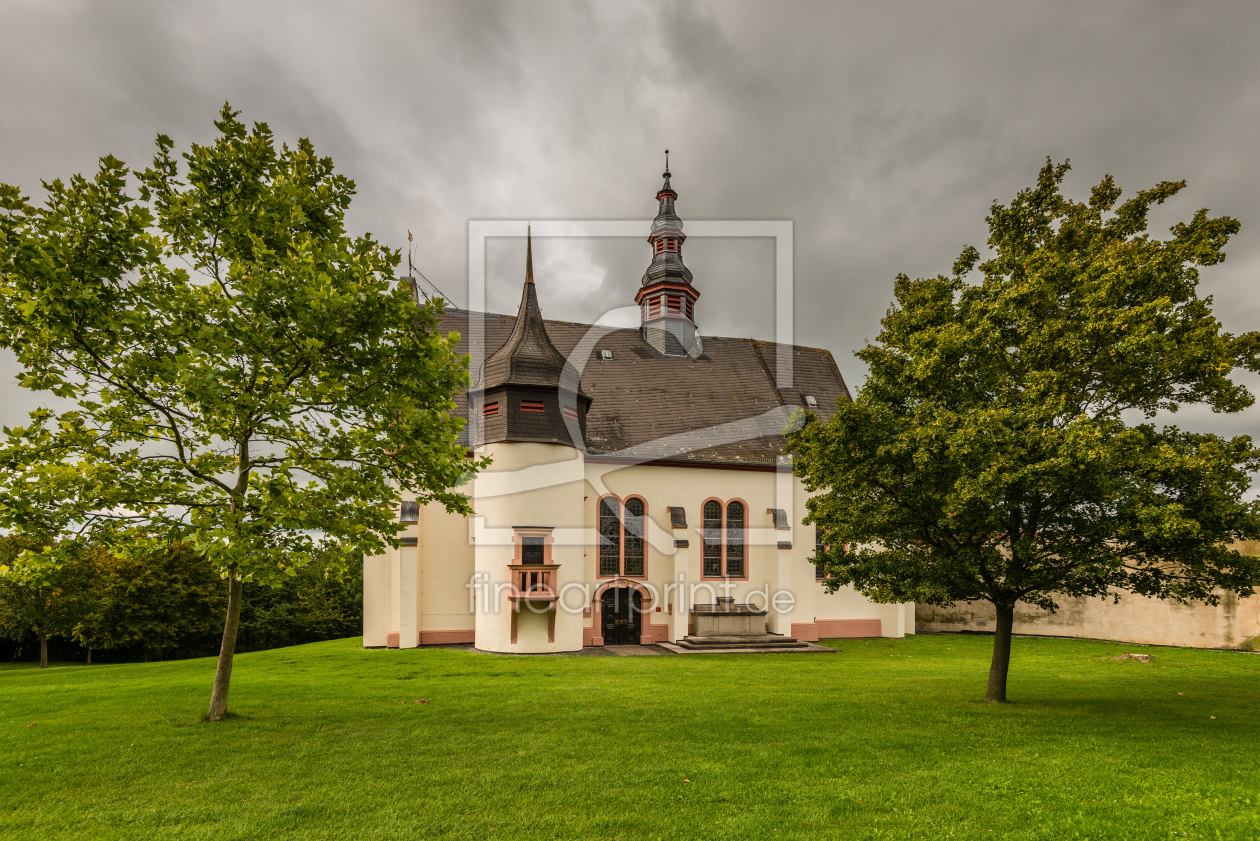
x=146 y=654
x=89 y=662
x=223 y=673
x=43 y=651
x=996 y=693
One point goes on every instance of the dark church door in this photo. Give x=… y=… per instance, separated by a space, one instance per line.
x=622 y=609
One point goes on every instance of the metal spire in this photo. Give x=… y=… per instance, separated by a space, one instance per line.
x=529 y=255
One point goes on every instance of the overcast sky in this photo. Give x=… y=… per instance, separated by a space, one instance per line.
x=882 y=131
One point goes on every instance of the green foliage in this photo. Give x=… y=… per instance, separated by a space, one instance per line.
x=323 y=600
x=247 y=376
x=42 y=589
x=992 y=452
x=157 y=596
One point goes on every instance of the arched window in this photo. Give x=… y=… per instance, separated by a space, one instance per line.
x=713 y=539
x=622 y=530
x=609 y=537
x=724 y=544
x=735 y=540
x=633 y=561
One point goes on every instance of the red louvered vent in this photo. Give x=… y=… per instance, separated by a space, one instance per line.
x=674 y=304
x=654 y=307
x=532 y=406
x=571 y=414
x=490 y=409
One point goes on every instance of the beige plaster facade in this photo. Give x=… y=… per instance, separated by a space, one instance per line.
x=461 y=581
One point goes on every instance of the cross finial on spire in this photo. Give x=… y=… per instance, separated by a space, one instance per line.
x=529 y=254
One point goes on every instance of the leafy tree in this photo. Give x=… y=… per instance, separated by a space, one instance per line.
x=246 y=373
x=1003 y=447
x=324 y=600
x=40 y=590
x=47 y=569
x=155 y=594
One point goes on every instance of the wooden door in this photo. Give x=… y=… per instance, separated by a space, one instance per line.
x=622 y=616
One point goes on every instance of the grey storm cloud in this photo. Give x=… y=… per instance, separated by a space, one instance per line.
x=882 y=131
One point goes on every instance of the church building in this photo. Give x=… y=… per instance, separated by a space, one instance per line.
x=639 y=483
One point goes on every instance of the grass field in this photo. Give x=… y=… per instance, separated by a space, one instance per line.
x=886 y=739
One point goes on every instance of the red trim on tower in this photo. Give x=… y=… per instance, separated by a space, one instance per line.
x=664 y=286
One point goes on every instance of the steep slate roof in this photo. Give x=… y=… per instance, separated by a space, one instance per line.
x=720 y=408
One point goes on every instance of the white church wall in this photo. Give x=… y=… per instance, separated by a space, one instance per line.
x=527 y=485
x=551 y=485
x=375 y=601
x=769 y=568
x=445 y=570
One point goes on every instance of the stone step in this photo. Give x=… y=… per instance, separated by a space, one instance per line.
x=741 y=641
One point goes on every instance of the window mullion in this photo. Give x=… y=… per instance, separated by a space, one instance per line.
x=724 y=539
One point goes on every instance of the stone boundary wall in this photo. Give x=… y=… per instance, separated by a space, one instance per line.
x=1234 y=623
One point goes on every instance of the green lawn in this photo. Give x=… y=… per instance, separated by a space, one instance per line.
x=886 y=739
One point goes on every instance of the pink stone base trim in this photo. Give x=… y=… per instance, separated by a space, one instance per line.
x=589 y=637
x=391 y=639
x=831 y=629
x=805 y=631
x=447 y=637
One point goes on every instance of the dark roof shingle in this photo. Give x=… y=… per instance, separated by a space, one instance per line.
x=722 y=407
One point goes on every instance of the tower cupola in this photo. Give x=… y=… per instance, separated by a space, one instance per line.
x=666 y=297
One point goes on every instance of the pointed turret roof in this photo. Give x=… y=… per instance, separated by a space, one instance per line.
x=666 y=265
x=528 y=357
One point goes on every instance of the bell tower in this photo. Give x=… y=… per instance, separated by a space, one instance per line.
x=666 y=297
